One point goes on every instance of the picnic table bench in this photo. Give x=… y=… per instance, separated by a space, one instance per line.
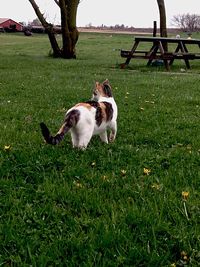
x=157 y=50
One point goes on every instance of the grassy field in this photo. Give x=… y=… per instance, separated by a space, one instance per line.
x=131 y=203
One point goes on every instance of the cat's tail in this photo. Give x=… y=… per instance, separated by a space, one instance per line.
x=70 y=121
x=53 y=140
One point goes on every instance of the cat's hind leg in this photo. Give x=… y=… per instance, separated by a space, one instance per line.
x=84 y=137
x=75 y=139
x=80 y=142
x=84 y=141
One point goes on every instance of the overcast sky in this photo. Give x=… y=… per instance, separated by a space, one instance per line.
x=134 y=13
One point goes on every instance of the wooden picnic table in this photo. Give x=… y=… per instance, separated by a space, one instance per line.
x=157 y=51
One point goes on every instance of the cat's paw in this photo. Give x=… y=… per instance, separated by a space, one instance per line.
x=111 y=138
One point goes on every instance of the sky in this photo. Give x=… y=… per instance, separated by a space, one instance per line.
x=134 y=13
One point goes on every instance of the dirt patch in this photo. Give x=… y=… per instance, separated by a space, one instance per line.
x=115 y=31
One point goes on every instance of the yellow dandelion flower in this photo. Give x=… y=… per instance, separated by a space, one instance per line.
x=93 y=164
x=7 y=147
x=105 y=178
x=184 y=256
x=185 y=195
x=146 y=171
x=183 y=253
x=123 y=172
x=78 y=185
x=156 y=186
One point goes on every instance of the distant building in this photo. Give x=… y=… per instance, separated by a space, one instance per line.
x=10 y=25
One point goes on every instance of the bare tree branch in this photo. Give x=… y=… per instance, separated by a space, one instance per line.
x=38 y=13
x=48 y=27
x=68 y=11
x=187 y=22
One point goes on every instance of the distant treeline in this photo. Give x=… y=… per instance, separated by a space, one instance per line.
x=40 y=29
x=57 y=29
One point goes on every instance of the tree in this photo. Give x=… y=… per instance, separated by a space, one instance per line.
x=68 y=11
x=163 y=24
x=187 y=22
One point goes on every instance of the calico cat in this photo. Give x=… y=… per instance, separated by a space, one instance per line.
x=87 y=119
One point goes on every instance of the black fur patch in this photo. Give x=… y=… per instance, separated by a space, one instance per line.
x=49 y=138
x=93 y=103
x=57 y=139
x=72 y=118
x=98 y=116
x=45 y=132
x=107 y=90
x=109 y=111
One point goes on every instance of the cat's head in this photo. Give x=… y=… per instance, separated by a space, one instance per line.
x=102 y=90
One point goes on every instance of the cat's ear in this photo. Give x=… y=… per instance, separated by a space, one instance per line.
x=97 y=84
x=107 y=88
x=106 y=82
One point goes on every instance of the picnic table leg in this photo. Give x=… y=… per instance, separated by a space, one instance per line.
x=186 y=60
x=181 y=46
x=123 y=65
x=162 y=51
x=152 y=53
x=184 y=50
x=176 y=50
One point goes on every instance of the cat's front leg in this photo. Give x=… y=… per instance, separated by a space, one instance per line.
x=113 y=127
x=104 y=137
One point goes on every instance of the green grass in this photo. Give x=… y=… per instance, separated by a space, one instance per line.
x=64 y=207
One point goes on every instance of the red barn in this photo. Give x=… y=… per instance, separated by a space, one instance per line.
x=10 y=25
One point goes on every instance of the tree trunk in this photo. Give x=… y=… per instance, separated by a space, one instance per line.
x=163 y=24
x=68 y=10
x=66 y=40
x=71 y=20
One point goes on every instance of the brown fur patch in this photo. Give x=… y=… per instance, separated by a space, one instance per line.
x=61 y=130
x=71 y=119
x=104 y=89
x=99 y=88
x=107 y=89
x=103 y=111
x=85 y=105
